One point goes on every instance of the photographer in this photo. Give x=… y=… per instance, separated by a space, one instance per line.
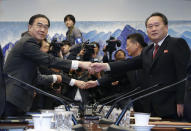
x=110 y=48
x=89 y=52
x=55 y=48
x=66 y=50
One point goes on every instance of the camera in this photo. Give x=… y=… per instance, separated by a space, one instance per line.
x=111 y=44
x=55 y=47
x=88 y=50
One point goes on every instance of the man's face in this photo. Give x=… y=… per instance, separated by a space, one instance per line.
x=120 y=56
x=45 y=46
x=69 y=23
x=156 y=29
x=132 y=47
x=39 y=28
x=65 y=49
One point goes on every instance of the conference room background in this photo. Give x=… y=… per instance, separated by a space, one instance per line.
x=98 y=20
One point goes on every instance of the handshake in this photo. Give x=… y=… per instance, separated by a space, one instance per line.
x=92 y=68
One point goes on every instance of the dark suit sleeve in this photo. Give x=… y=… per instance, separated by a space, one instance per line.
x=105 y=80
x=181 y=55
x=65 y=78
x=126 y=65
x=31 y=50
x=43 y=79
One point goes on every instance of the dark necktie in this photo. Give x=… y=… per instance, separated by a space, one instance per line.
x=155 y=50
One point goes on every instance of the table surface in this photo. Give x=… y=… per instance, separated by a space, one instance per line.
x=94 y=126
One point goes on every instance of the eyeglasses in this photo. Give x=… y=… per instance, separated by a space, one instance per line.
x=40 y=26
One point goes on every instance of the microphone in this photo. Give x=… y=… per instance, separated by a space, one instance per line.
x=110 y=97
x=106 y=98
x=105 y=119
x=76 y=127
x=116 y=127
x=101 y=108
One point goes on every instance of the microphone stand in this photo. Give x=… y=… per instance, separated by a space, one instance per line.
x=109 y=97
x=101 y=108
x=77 y=127
x=105 y=119
x=115 y=128
x=113 y=106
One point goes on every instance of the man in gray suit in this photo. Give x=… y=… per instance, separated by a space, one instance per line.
x=23 y=61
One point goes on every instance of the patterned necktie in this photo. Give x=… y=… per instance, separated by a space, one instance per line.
x=155 y=51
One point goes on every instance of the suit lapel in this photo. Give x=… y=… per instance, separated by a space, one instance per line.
x=161 y=50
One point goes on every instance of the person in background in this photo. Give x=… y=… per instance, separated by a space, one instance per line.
x=73 y=35
x=66 y=49
x=126 y=81
x=120 y=55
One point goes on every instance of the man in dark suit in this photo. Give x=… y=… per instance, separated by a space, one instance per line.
x=2 y=84
x=126 y=81
x=22 y=63
x=163 y=62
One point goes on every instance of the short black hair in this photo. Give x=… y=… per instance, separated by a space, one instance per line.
x=118 y=51
x=32 y=19
x=66 y=42
x=138 y=38
x=71 y=17
x=164 y=18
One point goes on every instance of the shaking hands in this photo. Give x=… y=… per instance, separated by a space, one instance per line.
x=85 y=85
x=94 y=67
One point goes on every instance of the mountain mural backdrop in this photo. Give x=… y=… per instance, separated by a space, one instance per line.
x=99 y=31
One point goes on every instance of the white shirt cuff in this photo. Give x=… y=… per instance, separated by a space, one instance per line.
x=54 y=78
x=97 y=83
x=75 y=64
x=72 y=82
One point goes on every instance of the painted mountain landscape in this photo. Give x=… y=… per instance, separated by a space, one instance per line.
x=99 y=31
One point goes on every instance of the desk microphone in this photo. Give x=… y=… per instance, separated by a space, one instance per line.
x=105 y=119
x=110 y=97
x=76 y=127
x=101 y=108
x=116 y=127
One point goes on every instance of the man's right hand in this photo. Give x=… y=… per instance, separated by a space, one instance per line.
x=59 y=78
x=80 y=84
x=84 y=65
x=91 y=84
